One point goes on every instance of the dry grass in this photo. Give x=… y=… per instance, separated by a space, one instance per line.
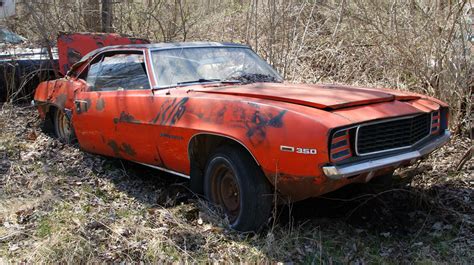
x=59 y=204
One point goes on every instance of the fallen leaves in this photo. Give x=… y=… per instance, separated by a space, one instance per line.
x=59 y=204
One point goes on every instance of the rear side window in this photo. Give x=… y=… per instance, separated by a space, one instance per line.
x=118 y=72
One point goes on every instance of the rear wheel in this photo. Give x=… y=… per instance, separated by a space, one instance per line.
x=62 y=126
x=235 y=183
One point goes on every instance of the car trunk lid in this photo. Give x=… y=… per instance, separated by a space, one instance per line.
x=73 y=46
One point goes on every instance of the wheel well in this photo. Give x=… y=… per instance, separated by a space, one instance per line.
x=200 y=148
x=51 y=109
x=47 y=125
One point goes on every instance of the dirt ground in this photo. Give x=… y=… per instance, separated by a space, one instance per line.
x=59 y=204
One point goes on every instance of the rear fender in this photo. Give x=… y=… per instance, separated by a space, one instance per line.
x=58 y=93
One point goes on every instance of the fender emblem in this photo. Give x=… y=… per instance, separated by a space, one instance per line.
x=299 y=150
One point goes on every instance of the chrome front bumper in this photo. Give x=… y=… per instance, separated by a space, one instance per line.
x=352 y=169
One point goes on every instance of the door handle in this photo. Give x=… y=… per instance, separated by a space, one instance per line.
x=81 y=105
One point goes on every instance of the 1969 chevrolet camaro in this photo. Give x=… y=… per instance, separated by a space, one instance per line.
x=220 y=115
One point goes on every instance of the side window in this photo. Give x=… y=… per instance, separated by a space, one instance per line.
x=118 y=72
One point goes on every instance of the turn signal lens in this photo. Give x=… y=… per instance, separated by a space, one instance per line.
x=340 y=146
x=435 y=122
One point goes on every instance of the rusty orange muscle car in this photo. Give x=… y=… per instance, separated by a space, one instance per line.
x=220 y=115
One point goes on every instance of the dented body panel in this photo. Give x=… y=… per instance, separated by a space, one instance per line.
x=287 y=128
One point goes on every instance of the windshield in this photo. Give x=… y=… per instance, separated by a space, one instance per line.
x=187 y=66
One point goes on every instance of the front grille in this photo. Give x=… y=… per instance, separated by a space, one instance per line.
x=394 y=134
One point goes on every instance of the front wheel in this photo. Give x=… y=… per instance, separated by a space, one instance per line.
x=235 y=183
x=62 y=126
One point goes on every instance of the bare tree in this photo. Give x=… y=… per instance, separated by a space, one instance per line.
x=107 y=16
x=91 y=14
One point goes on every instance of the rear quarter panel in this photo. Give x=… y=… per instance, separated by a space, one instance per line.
x=59 y=93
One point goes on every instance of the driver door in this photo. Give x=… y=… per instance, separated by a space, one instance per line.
x=110 y=117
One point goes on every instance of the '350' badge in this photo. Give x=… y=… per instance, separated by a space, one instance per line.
x=299 y=150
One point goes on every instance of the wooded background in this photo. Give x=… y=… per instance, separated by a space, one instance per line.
x=417 y=45
x=61 y=205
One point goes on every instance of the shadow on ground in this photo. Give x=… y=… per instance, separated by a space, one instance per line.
x=376 y=206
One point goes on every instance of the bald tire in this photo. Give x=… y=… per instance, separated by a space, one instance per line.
x=255 y=192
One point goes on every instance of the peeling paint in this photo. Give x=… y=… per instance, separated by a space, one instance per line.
x=100 y=104
x=127 y=118
x=61 y=100
x=118 y=150
x=171 y=111
x=258 y=123
x=126 y=148
x=115 y=147
x=277 y=121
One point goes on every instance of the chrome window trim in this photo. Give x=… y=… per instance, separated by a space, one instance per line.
x=198 y=46
x=150 y=60
x=356 y=144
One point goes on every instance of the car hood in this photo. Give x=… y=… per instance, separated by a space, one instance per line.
x=321 y=96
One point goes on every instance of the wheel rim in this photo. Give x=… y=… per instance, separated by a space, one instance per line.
x=226 y=192
x=64 y=127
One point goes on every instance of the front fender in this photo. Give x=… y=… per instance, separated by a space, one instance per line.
x=288 y=141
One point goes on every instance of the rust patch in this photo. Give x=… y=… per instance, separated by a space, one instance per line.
x=61 y=100
x=297 y=188
x=220 y=115
x=258 y=123
x=74 y=56
x=125 y=148
x=158 y=158
x=115 y=148
x=277 y=121
x=127 y=118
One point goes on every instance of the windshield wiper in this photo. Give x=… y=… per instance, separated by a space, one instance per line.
x=198 y=81
x=207 y=81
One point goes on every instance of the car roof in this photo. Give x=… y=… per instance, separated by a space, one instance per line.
x=165 y=46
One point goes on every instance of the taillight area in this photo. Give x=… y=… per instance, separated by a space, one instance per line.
x=340 y=147
x=435 y=122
